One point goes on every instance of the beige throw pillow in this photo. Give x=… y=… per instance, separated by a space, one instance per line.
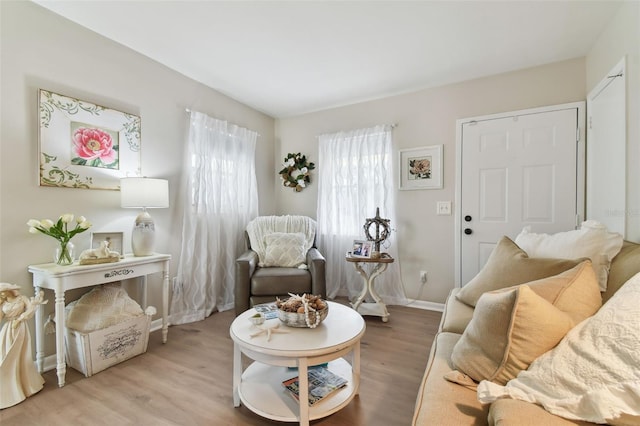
x=510 y=328
x=284 y=249
x=509 y=265
x=575 y=292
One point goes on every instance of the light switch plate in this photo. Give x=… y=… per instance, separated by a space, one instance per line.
x=444 y=208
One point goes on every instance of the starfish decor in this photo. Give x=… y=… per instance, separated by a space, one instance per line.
x=268 y=331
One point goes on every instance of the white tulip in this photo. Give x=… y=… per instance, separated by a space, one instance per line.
x=33 y=222
x=33 y=230
x=46 y=223
x=85 y=224
x=81 y=219
x=67 y=218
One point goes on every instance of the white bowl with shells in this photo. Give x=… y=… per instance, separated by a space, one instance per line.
x=306 y=311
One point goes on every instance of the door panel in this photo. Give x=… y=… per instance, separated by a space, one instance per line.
x=516 y=171
x=606 y=152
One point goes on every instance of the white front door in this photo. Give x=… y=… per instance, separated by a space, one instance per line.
x=517 y=169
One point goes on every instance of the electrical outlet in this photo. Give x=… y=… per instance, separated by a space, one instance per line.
x=423 y=277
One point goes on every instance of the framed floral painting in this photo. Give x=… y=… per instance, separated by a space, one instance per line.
x=421 y=168
x=83 y=145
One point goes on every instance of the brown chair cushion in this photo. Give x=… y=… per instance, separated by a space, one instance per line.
x=274 y=281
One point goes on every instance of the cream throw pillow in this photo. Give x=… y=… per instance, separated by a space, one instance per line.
x=593 y=374
x=592 y=240
x=284 y=249
x=574 y=292
x=510 y=328
x=509 y=265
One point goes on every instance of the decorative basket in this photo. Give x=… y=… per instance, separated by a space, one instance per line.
x=294 y=319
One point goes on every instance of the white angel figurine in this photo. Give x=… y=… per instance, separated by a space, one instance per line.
x=18 y=373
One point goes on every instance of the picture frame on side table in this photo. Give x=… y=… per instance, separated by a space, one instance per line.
x=362 y=248
x=84 y=145
x=421 y=168
x=115 y=241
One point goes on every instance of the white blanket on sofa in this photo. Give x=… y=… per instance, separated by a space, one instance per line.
x=259 y=227
x=594 y=372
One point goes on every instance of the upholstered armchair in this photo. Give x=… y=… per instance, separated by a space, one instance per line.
x=281 y=258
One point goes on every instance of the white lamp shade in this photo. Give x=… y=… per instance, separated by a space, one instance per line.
x=141 y=192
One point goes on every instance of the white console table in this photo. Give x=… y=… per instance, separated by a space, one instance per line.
x=62 y=278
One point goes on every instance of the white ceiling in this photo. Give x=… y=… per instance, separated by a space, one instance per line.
x=288 y=58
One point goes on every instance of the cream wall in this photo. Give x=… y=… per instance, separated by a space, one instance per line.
x=427 y=117
x=621 y=38
x=42 y=50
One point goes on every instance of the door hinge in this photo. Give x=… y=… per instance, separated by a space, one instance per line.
x=578 y=221
x=590 y=122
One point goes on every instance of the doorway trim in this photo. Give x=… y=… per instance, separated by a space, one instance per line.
x=580 y=168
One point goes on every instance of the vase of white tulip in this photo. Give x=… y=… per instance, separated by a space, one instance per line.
x=59 y=230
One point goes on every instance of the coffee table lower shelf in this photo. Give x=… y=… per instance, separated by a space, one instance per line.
x=262 y=392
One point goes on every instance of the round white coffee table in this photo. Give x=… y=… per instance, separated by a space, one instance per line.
x=260 y=388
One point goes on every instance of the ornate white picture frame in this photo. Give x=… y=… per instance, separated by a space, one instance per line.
x=83 y=145
x=421 y=168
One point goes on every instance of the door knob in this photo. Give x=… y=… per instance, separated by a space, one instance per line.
x=468 y=231
x=467 y=218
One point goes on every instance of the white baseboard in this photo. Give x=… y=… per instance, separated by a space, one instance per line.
x=428 y=306
x=50 y=363
x=156 y=324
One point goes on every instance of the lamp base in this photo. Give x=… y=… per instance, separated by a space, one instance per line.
x=143 y=237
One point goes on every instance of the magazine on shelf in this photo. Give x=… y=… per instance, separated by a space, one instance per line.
x=269 y=310
x=322 y=383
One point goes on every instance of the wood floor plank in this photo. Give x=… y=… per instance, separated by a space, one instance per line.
x=187 y=381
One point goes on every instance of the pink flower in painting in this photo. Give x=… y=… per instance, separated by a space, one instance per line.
x=92 y=143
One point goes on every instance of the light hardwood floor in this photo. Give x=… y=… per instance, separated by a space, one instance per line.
x=187 y=381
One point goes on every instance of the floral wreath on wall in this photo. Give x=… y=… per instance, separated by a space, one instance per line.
x=295 y=173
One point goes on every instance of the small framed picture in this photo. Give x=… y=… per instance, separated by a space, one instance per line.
x=113 y=238
x=362 y=248
x=421 y=168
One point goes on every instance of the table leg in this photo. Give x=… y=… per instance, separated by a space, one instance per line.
x=237 y=373
x=39 y=334
x=165 y=302
x=143 y=296
x=61 y=366
x=379 y=269
x=365 y=285
x=377 y=308
x=303 y=383
x=355 y=367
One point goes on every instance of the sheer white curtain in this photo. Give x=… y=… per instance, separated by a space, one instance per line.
x=355 y=177
x=220 y=197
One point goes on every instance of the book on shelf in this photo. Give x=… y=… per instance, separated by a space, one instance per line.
x=269 y=310
x=322 y=383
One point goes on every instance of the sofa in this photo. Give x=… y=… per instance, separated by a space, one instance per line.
x=443 y=402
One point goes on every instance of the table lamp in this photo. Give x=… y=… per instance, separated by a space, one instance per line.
x=145 y=193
